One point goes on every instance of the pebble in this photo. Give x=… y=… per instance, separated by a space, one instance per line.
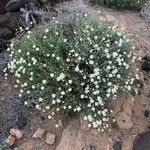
x=50 y=138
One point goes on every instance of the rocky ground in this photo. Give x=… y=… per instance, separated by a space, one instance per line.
x=27 y=129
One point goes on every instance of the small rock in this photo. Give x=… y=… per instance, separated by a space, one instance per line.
x=117 y=145
x=10 y=140
x=50 y=138
x=10 y=21
x=124 y=120
x=142 y=142
x=14 y=5
x=39 y=133
x=147 y=113
x=16 y=133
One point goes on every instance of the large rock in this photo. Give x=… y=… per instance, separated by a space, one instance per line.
x=75 y=138
x=142 y=142
x=2 y=5
x=10 y=21
x=14 y=5
x=141 y=118
x=71 y=140
x=6 y=33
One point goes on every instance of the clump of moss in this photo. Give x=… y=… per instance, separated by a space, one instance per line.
x=73 y=68
x=125 y=4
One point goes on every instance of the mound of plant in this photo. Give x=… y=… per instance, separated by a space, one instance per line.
x=125 y=4
x=73 y=68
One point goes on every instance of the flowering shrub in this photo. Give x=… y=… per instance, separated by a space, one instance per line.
x=125 y=4
x=73 y=68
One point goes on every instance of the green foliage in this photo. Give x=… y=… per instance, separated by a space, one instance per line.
x=125 y=4
x=73 y=68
